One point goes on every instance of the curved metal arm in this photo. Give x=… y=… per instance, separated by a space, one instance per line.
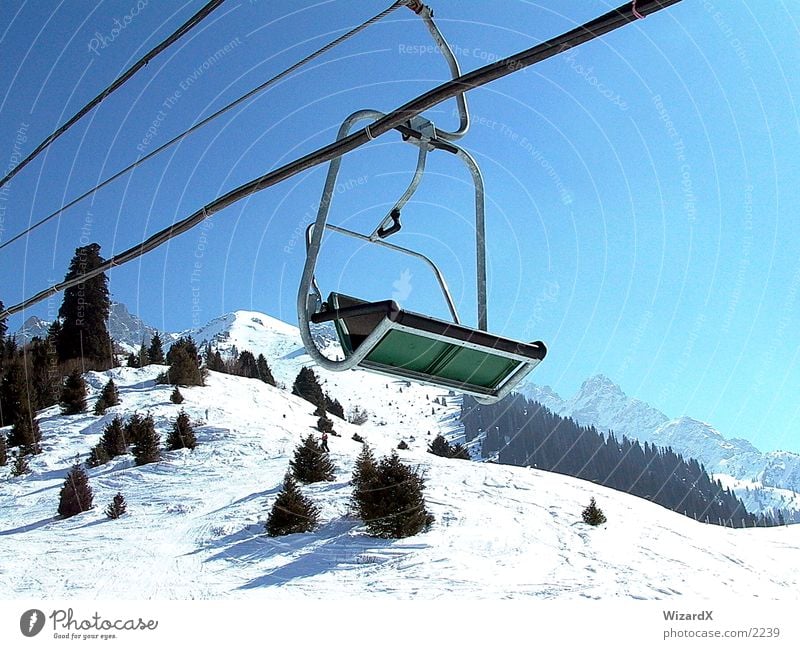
x=412 y=187
x=455 y=71
x=480 y=235
x=305 y=300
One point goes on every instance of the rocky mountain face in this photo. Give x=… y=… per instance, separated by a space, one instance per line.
x=601 y=403
x=126 y=329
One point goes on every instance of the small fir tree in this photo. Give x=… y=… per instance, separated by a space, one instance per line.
x=76 y=494
x=459 y=452
x=365 y=469
x=144 y=356
x=146 y=448
x=391 y=503
x=264 y=371
x=114 y=439
x=357 y=438
x=403 y=446
x=3 y=448
x=334 y=407
x=97 y=456
x=307 y=386
x=246 y=365
x=132 y=360
x=156 y=350
x=176 y=396
x=311 y=463
x=73 y=394
x=117 y=507
x=440 y=446
x=110 y=394
x=292 y=512
x=99 y=406
x=593 y=515
x=184 y=364
x=182 y=434
x=133 y=428
x=25 y=432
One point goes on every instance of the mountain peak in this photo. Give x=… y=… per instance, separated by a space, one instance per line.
x=599 y=383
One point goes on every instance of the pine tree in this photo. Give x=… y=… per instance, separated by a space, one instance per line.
x=117 y=507
x=391 y=503
x=176 y=396
x=334 y=407
x=84 y=313
x=440 y=446
x=264 y=371
x=311 y=463
x=114 y=438
x=15 y=393
x=106 y=394
x=156 y=351
x=292 y=512
x=365 y=469
x=184 y=365
x=307 y=386
x=76 y=494
x=25 y=432
x=182 y=434
x=97 y=456
x=459 y=452
x=403 y=446
x=144 y=356
x=44 y=374
x=146 y=448
x=73 y=394
x=593 y=515
x=3 y=443
x=132 y=360
x=246 y=365
x=134 y=428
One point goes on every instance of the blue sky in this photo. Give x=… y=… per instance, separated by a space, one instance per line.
x=641 y=189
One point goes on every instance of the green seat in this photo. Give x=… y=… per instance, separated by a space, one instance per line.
x=412 y=346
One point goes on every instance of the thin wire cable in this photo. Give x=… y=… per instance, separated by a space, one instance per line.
x=183 y=29
x=394 y=120
x=205 y=121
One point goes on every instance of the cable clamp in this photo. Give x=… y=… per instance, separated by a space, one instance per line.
x=636 y=12
x=415 y=5
x=370 y=136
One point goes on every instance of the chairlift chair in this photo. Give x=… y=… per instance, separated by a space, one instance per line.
x=381 y=336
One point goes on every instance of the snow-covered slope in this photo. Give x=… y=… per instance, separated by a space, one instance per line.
x=195 y=522
x=601 y=403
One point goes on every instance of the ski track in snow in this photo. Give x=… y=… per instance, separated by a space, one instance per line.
x=195 y=527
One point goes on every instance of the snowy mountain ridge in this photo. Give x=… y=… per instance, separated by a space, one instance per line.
x=125 y=329
x=601 y=403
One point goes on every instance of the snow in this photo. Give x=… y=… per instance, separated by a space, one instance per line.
x=195 y=522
